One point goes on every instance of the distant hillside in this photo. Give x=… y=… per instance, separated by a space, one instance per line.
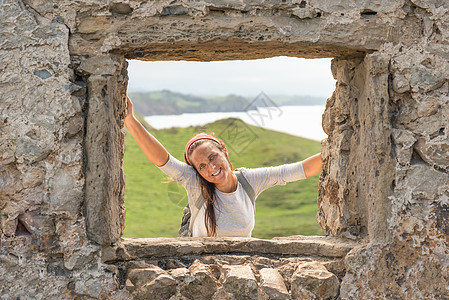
x=166 y=102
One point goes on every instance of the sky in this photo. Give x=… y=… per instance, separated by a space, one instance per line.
x=273 y=76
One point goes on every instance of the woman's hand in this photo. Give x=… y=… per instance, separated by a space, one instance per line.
x=129 y=111
x=312 y=165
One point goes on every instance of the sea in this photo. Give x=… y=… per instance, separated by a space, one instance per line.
x=303 y=121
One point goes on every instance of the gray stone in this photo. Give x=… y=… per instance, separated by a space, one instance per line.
x=78 y=258
x=174 y=10
x=43 y=74
x=32 y=151
x=425 y=79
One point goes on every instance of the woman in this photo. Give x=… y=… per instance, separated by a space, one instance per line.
x=227 y=209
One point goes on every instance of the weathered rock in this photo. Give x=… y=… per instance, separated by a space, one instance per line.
x=426 y=182
x=313 y=281
x=293 y=245
x=335 y=266
x=272 y=285
x=434 y=152
x=140 y=277
x=161 y=288
x=404 y=141
x=400 y=263
x=240 y=281
x=179 y=273
x=130 y=287
x=221 y=294
x=346 y=199
x=200 y=283
x=104 y=141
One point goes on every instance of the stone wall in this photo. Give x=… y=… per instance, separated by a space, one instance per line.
x=384 y=186
x=230 y=268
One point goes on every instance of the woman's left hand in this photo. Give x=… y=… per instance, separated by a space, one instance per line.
x=312 y=165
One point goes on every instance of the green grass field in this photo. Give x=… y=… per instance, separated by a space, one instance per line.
x=154 y=203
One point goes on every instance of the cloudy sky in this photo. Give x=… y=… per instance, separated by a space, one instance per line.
x=274 y=76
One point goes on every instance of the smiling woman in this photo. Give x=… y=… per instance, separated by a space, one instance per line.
x=220 y=205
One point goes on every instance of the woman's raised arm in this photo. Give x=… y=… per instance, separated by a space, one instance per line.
x=154 y=150
x=312 y=165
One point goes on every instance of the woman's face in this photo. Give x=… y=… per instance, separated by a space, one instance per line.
x=211 y=162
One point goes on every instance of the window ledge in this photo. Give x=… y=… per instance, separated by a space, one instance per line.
x=137 y=248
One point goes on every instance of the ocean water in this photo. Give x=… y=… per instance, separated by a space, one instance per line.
x=303 y=121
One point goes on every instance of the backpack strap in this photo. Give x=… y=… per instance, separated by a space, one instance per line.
x=184 y=230
x=246 y=186
x=200 y=202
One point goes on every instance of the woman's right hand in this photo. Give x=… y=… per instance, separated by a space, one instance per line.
x=129 y=110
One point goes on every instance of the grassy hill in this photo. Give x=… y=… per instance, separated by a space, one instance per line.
x=166 y=102
x=154 y=203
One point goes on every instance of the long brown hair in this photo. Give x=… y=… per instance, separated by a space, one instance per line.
x=208 y=188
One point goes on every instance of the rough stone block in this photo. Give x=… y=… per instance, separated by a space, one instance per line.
x=240 y=281
x=425 y=182
x=161 y=288
x=105 y=212
x=140 y=277
x=99 y=65
x=434 y=152
x=200 y=283
x=313 y=280
x=272 y=285
x=221 y=294
x=68 y=192
x=293 y=245
x=179 y=273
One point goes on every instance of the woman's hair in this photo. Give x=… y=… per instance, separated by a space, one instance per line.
x=208 y=188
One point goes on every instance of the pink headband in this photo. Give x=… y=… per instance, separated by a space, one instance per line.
x=200 y=136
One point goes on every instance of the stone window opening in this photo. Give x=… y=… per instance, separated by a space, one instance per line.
x=215 y=267
x=209 y=267
x=170 y=260
x=174 y=193
x=105 y=85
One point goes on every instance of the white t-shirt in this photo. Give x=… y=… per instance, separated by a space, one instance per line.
x=234 y=211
